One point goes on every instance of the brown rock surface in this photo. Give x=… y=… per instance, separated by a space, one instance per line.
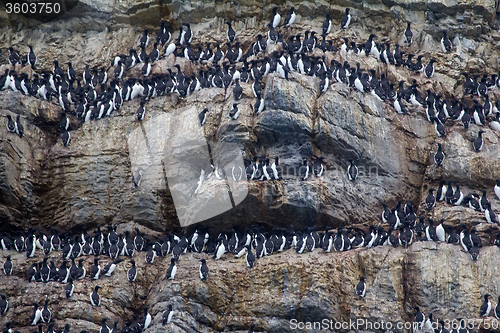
x=284 y=286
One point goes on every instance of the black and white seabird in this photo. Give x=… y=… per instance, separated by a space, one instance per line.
x=146 y=319
x=203 y=269
x=155 y=54
x=231 y=34
x=399 y=106
x=172 y=269
x=489 y=214
x=495 y=122
x=137 y=177
x=430 y=232
x=439 y=127
x=202 y=117
x=497 y=188
x=250 y=257
x=430 y=200
x=13 y=56
x=11 y=125
x=257 y=89
x=483 y=202
x=439 y=155
x=44 y=271
x=143 y=42
x=327 y=25
x=318 y=167
x=440 y=231
x=478 y=142
x=104 y=328
x=290 y=18
x=445 y=43
x=275 y=167
x=276 y=19
x=304 y=170
x=352 y=171
x=32 y=57
x=187 y=35
x=95 y=270
x=440 y=194
x=222 y=245
x=259 y=105
x=419 y=317
x=64 y=123
x=465 y=239
x=150 y=253
x=37 y=314
x=457 y=197
x=497 y=309
x=7 y=266
x=346 y=19
x=95 y=299
x=31 y=272
x=66 y=138
x=429 y=69
x=235 y=112
x=429 y=324
x=69 y=288
x=46 y=313
x=167 y=315
x=146 y=68
x=4 y=304
x=418 y=67
x=165 y=35
x=474 y=238
x=140 y=113
x=408 y=33
x=361 y=287
x=237 y=172
x=237 y=90
x=132 y=272
x=485 y=309
x=110 y=268
x=324 y=83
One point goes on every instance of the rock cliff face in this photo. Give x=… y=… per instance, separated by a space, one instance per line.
x=43 y=184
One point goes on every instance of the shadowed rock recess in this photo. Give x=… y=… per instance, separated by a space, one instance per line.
x=89 y=183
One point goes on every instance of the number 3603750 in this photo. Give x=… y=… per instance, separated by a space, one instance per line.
x=33 y=8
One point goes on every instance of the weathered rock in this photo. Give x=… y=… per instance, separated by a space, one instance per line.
x=284 y=286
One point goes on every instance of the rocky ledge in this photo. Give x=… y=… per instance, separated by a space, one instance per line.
x=281 y=287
